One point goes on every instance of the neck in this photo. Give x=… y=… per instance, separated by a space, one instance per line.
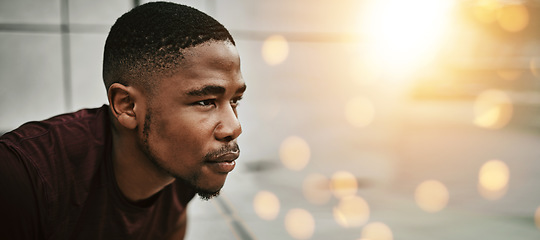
x=137 y=177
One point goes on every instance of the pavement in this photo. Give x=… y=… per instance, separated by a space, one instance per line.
x=422 y=140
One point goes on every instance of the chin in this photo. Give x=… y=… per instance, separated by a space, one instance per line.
x=207 y=195
x=206 y=188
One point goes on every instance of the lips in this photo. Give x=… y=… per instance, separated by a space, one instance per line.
x=225 y=157
x=223 y=163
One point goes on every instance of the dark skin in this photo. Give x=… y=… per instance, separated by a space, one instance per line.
x=187 y=129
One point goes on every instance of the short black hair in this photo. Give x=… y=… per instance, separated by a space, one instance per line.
x=148 y=42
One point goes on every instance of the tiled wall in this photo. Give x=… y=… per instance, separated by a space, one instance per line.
x=46 y=71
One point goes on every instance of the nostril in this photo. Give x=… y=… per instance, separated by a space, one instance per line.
x=228 y=139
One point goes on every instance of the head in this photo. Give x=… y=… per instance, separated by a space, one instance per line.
x=173 y=80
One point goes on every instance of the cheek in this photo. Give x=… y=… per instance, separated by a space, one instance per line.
x=183 y=135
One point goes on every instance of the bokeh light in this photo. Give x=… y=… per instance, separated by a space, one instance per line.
x=513 y=17
x=493 y=179
x=377 y=231
x=351 y=211
x=266 y=205
x=431 y=196
x=359 y=112
x=275 y=49
x=316 y=189
x=294 y=153
x=343 y=184
x=299 y=223
x=493 y=109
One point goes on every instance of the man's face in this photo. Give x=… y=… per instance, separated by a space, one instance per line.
x=191 y=123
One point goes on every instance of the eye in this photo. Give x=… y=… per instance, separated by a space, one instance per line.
x=236 y=101
x=206 y=103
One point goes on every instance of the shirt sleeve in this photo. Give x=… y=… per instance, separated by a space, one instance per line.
x=19 y=211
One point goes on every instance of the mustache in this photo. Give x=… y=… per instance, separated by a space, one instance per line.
x=223 y=150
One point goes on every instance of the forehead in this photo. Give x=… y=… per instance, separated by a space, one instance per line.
x=221 y=53
x=211 y=63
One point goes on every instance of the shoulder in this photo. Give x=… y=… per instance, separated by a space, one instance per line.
x=51 y=163
x=59 y=145
x=60 y=125
x=66 y=133
x=21 y=198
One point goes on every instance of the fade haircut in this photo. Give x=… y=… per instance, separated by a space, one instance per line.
x=148 y=42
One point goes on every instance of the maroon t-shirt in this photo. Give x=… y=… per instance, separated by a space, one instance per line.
x=57 y=182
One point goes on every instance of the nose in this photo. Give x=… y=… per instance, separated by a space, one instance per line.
x=229 y=127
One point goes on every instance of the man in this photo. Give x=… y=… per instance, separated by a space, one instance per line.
x=129 y=169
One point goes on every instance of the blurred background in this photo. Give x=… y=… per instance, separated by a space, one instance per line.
x=363 y=119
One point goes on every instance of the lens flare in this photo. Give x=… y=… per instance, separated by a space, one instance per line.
x=299 y=223
x=266 y=205
x=359 y=112
x=493 y=109
x=405 y=35
x=513 y=18
x=486 y=10
x=377 y=231
x=294 y=153
x=493 y=179
x=275 y=49
x=343 y=184
x=431 y=196
x=316 y=189
x=352 y=211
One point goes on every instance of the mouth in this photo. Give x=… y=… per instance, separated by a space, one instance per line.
x=223 y=163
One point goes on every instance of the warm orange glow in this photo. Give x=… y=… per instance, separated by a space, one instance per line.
x=405 y=35
x=352 y=211
x=266 y=205
x=493 y=109
x=299 y=224
x=343 y=184
x=486 y=10
x=359 y=112
x=493 y=179
x=294 y=153
x=513 y=18
x=377 y=231
x=537 y=217
x=275 y=49
x=431 y=196
x=510 y=75
x=316 y=189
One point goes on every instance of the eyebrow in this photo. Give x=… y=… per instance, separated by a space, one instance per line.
x=212 y=90
x=207 y=90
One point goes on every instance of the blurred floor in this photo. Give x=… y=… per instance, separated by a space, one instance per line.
x=428 y=140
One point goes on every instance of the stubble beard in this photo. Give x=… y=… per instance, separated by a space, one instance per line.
x=204 y=194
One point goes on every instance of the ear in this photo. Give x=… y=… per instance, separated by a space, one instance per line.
x=122 y=99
